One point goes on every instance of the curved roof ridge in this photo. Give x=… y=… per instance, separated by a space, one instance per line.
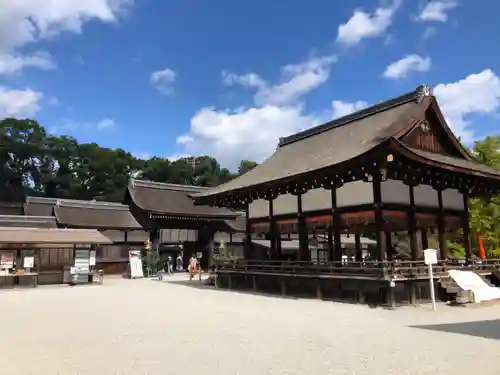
x=166 y=186
x=414 y=95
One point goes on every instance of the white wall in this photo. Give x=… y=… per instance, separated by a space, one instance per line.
x=114 y=235
x=137 y=236
x=394 y=191
x=351 y=194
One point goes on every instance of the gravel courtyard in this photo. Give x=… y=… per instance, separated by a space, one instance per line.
x=150 y=327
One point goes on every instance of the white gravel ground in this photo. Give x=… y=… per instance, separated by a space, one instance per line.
x=149 y=327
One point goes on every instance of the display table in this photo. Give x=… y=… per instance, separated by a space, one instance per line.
x=33 y=275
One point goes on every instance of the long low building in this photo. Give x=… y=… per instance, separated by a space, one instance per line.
x=158 y=212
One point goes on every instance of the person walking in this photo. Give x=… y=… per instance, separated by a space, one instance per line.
x=170 y=265
x=179 y=263
x=193 y=263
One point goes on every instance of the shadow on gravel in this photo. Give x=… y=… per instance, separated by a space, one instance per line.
x=488 y=329
x=196 y=284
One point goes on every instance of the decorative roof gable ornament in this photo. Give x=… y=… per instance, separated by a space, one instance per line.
x=424 y=92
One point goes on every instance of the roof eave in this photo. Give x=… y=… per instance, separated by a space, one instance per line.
x=399 y=147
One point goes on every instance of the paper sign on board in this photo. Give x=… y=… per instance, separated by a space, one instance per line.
x=29 y=262
x=430 y=256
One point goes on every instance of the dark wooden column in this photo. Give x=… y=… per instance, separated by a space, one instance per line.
x=390 y=248
x=330 y=244
x=248 y=233
x=277 y=230
x=412 y=224
x=440 y=224
x=359 y=249
x=304 y=253
x=272 y=229
x=379 y=218
x=425 y=239
x=466 y=227
x=336 y=226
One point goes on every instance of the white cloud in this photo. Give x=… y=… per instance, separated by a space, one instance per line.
x=71 y=126
x=10 y=64
x=253 y=133
x=296 y=81
x=28 y=21
x=437 y=10
x=341 y=108
x=476 y=94
x=364 y=25
x=106 y=124
x=410 y=63
x=54 y=102
x=163 y=80
x=249 y=133
x=18 y=103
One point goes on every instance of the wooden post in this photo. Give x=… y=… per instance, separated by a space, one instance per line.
x=330 y=244
x=304 y=253
x=248 y=234
x=272 y=230
x=390 y=248
x=359 y=250
x=379 y=218
x=336 y=226
x=425 y=239
x=412 y=224
x=466 y=227
x=440 y=224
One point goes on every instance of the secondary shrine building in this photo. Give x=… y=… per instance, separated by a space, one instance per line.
x=393 y=167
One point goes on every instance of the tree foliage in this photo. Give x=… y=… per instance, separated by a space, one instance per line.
x=485 y=212
x=35 y=162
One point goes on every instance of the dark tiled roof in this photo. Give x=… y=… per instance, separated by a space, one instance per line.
x=39 y=206
x=28 y=221
x=455 y=162
x=330 y=144
x=95 y=214
x=11 y=208
x=173 y=200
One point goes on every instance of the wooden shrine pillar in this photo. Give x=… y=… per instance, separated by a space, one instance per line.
x=466 y=228
x=443 y=254
x=272 y=230
x=277 y=232
x=330 y=244
x=248 y=253
x=412 y=224
x=379 y=217
x=390 y=248
x=337 y=241
x=359 y=249
x=304 y=253
x=425 y=238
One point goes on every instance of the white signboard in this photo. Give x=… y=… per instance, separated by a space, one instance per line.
x=135 y=263
x=430 y=256
x=7 y=260
x=92 y=258
x=29 y=262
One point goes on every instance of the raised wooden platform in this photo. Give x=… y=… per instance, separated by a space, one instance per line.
x=387 y=283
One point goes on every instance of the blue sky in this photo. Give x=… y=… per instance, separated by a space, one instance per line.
x=225 y=78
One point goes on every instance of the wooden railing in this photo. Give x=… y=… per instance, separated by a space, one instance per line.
x=383 y=270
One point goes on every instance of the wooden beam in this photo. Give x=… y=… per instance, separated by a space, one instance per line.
x=304 y=253
x=336 y=226
x=379 y=218
x=466 y=227
x=440 y=224
x=412 y=224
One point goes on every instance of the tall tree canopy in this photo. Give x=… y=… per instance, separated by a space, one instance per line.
x=35 y=162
